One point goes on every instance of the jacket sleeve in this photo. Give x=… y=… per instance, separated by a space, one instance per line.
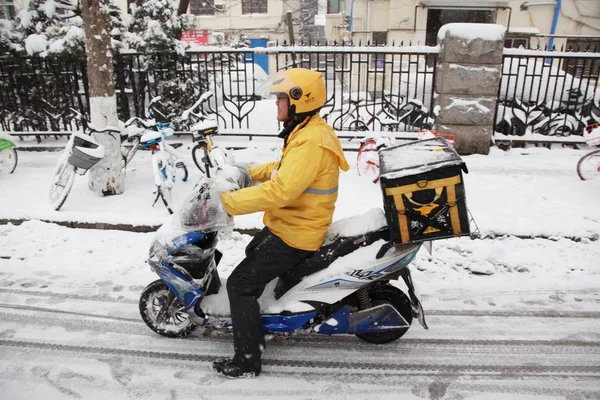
x=297 y=171
x=262 y=173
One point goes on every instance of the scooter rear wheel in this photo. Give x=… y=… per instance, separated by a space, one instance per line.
x=396 y=297
x=176 y=321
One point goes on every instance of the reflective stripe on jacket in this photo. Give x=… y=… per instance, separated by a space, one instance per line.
x=300 y=199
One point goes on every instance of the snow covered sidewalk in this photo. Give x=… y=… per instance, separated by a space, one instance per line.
x=531 y=192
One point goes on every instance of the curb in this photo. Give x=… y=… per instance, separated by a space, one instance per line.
x=106 y=226
x=251 y=232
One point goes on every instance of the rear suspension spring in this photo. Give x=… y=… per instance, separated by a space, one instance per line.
x=364 y=301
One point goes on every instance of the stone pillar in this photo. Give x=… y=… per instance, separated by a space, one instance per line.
x=467 y=78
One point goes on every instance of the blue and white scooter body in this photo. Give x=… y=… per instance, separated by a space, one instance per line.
x=318 y=301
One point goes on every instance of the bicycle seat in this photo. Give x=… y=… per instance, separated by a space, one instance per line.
x=204 y=128
x=150 y=137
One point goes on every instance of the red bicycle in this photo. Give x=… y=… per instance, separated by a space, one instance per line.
x=367 y=161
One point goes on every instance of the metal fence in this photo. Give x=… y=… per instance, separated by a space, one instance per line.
x=549 y=93
x=369 y=87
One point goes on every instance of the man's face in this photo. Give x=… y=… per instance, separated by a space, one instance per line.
x=282 y=108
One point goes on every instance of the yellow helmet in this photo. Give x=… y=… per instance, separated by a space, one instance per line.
x=304 y=88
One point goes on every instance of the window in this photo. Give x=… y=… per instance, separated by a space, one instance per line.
x=516 y=42
x=379 y=38
x=202 y=7
x=437 y=17
x=336 y=6
x=587 y=68
x=7 y=9
x=254 y=6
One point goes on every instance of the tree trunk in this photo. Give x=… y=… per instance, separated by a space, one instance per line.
x=183 y=7
x=106 y=177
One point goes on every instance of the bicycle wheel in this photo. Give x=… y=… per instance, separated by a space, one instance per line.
x=588 y=166
x=357 y=125
x=367 y=161
x=62 y=182
x=197 y=154
x=8 y=161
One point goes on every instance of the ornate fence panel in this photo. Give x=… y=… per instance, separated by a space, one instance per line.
x=369 y=88
x=36 y=94
x=549 y=93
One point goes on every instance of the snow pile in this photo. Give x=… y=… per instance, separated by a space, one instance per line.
x=472 y=31
x=36 y=43
x=370 y=221
x=47 y=27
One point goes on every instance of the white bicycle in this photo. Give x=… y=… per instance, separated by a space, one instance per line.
x=81 y=153
x=165 y=159
x=205 y=153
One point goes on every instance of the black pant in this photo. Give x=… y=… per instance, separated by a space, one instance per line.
x=267 y=257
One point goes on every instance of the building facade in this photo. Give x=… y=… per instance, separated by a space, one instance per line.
x=10 y=8
x=399 y=21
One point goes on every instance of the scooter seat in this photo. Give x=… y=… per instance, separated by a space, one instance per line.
x=326 y=255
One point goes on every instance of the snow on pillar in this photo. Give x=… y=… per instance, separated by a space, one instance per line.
x=468 y=75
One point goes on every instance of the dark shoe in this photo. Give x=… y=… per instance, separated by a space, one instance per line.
x=246 y=367
x=219 y=365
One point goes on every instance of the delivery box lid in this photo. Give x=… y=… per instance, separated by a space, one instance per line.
x=417 y=157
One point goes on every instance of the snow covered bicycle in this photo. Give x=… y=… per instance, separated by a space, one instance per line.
x=165 y=159
x=205 y=153
x=81 y=153
x=8 y=156
x=588 y=166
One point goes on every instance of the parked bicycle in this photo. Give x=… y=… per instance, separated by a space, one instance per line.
x=81 y=153
x=205 y=153
x=8 y=156
x=165 y=159
x=367 y=160
x=588 y=166
x=392 y=113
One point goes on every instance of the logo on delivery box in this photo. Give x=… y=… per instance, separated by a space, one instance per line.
x=198 y=36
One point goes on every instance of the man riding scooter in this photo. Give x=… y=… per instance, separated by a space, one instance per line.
x=297 y=194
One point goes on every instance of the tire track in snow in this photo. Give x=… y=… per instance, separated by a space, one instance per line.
x=569 y=371
x=76 y=321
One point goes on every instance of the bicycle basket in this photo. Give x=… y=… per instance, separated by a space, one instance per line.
x=86 y=152
x=592 y=136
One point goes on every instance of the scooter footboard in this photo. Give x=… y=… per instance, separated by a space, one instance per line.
x=380 y=318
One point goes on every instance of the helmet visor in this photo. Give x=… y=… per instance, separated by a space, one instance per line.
x=264 y=90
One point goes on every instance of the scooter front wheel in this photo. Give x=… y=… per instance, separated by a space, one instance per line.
x=163 y=313
x=396 y=297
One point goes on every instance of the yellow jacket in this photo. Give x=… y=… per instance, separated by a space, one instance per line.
x=299 y=201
